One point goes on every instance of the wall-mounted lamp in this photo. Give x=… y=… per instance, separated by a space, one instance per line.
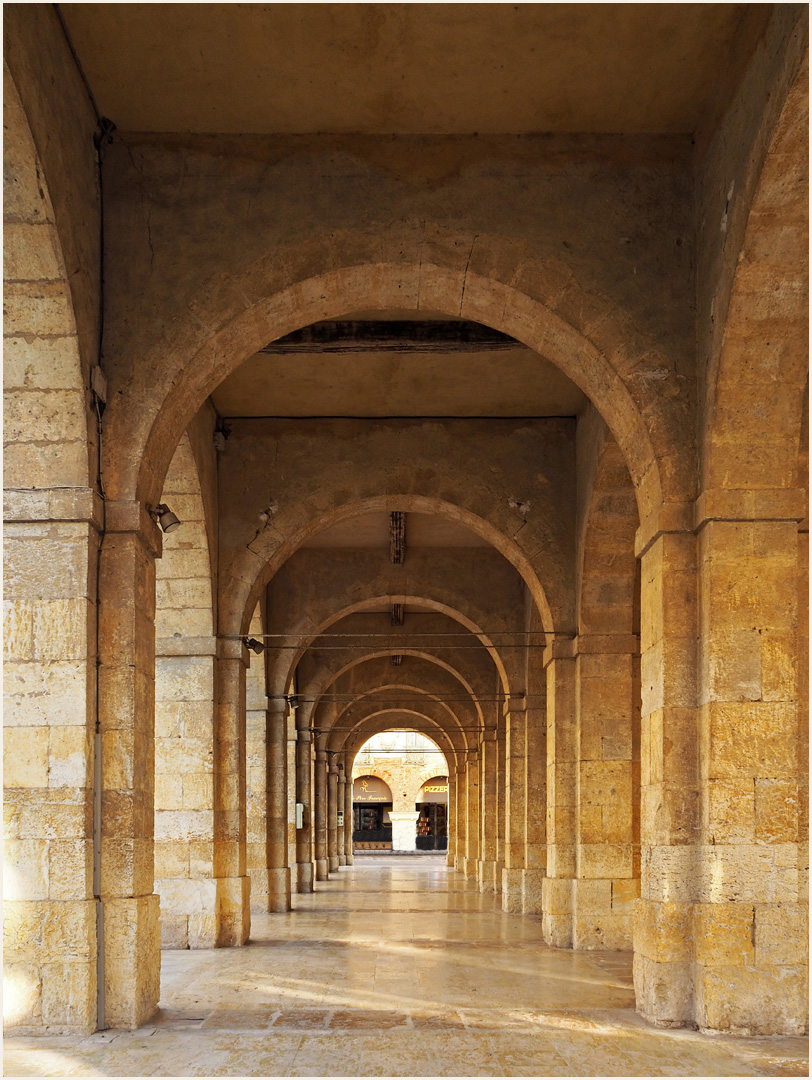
x=254 y=645
x=165 y=518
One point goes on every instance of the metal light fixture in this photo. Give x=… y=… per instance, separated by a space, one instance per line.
x=165 y=518
x=254 y=645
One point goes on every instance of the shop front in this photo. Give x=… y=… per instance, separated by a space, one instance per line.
x=432 y=821
x=371 y=808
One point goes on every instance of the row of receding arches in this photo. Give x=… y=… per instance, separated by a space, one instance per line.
x=547 y=636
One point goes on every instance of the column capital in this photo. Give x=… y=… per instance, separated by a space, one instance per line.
x=561 y=646
x=733 y=504
x=54 y=504
x=514 y=703
x=585 y=644
x=126 y=516
x=232 y=648
x=667 y=517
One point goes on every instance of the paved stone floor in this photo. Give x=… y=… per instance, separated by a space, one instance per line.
x=400 y=967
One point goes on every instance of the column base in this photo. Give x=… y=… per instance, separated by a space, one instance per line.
x=450 y=859
x=132 y=961
x=533 y=891
x=469 y=868
x=279 y=888
x=487 y=878
x=233 y=911
x=332 y=864
x=765 y=996
x=54 y=994
x=321 y=870
x=188 y=912
x=349 y=860
x=556 y=923
x=512 y=889
x=304 y=877
x=342 y=860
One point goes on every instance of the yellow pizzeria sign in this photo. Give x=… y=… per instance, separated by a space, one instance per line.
x=435 y=790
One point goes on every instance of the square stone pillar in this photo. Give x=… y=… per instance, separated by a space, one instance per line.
x=51 y=541
x=320 y=784
x=341 y=799
x=256 y=773
x=472 y=816
x=348 y=814
x=535 y=849
x=461 y=788
x=750 y=920
x=500 y=797
x=184 y=793
x=452 y=816
x=277 y=810
x=132 y=960
x=608 y=860
x=304 y=835
x=233 y=883
x=489 y=759
x=561 y=780
x=669 y=779
x=515 y=802
x=332 y=814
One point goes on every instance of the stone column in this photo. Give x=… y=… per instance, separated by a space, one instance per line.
x=669 y=778
x=233 y=883
x=489 y=822
x=304 y=837
x=277 y=809
x=332 y=815
x=515 y=803
x=472 y=816
x=452 y=816
x=320 y=783
x=184 y=792
x=535 y=848
x=256 y=774
x=290 y=796
x=500 y=799
x=607 y=855
x=126 y=721
x=51 y=543
x=750 y=921
x=557 y=887
x=340 y=803
x=461 y=801
x=348 y=817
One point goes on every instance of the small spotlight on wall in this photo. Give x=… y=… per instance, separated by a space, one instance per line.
x=254 y=645
x=165 y=518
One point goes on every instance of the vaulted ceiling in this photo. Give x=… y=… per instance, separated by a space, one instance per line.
x=408 y=68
